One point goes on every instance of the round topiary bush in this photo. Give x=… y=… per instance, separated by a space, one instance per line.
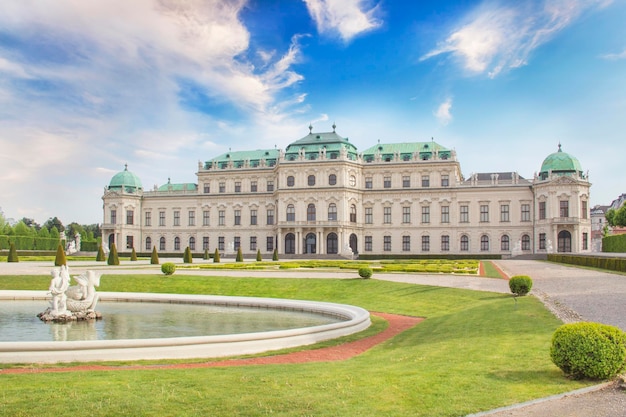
x=168 y=268
x=520 y=285
x=365 y=272
x=589 y=350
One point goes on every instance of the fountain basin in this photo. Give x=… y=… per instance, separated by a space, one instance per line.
x=355 y=319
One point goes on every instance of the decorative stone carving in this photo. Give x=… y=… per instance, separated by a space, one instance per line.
x=70 y=303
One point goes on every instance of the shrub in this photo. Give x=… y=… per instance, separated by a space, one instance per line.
x=216 y=256
x=258 y=255
x=60 y=258
x=289 y=265
x=12 y=254
x=133 y=255
x=239 y=257
x=113 y=258
x=168 y=268
x=589 y=350
x=187 y=257
x=154 y=258
x=206 y=255
x=275 y=255
x=101 y=257
x=365 y=272
x=520 y=285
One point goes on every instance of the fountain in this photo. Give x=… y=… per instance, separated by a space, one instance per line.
x=69 y=303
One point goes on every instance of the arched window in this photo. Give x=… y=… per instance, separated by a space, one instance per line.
x=565 y=241
x=290 y=243
x=311 y=180
x=291 y=213
x=162 y=244
x=332 y=245
x=332 y=179
x=148 y=243
x=192 y=243
x=290 y=181
x=353 y=244
x=332 y=212
x=525 y=242
x=353 y=213
x=176 y=243
x=505 y=243
x=310 y=213
x=310 y=243
x=484 y=243
x=464 y=243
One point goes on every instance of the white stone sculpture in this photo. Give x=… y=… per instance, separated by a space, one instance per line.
x=70 y=303
x=83 y=298
x=58 y=285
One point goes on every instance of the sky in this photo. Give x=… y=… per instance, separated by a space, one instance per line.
x=89 y=86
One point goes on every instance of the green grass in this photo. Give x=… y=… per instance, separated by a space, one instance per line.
x=475 y=351
x=490 y=270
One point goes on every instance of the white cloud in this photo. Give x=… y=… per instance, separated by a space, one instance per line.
x=443 y=114
x=615 y=57
x=496 y=37
x=344 y=18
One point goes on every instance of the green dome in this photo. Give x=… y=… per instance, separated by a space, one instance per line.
x=125 y=180
x=560 y=163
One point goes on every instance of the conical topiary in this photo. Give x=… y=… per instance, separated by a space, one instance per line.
x=206 y=255
x=154 y=258
x=12 y=254
x=187 y=257
x=133 y=255
x=239 y=257
x=258 y=255
x=101 y=257
x=113 y=258
x=216 y=256
x=60 y=259
x=275 y=255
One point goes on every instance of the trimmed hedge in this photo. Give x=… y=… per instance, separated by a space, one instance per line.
x=216 y=256
x=60 y=258
x=589 y=350
x=365 y=272
x=614 y=243
x=113 y=257
x=239 y=257
x=187 y=258
x=154 y=256
x=601 y=262
x=168 y=268
x=100 y=257
x=423 y=256
x=133 y=255
x=520 y=285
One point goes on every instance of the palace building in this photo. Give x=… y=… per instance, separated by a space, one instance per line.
x=322 y=197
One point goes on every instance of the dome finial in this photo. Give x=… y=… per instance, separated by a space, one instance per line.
x=310 y=128
x=560 y=147
x=334 y=127
x=126 y=167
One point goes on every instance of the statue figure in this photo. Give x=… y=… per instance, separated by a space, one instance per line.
x=58 y=285
x=83 y=297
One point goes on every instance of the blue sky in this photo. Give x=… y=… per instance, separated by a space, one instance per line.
x=88 y=86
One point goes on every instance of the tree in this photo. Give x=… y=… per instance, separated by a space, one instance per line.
x=54 y=233
x=43 y=233
x=239 y=257
x=275 y=255
x=616 y=218
x=21 y=229
x=133 y=255
x=216 y=256
x=12 y=254
x=74 y=228
x=258 y=255
x=113 y=258
x=54 y=222
x=187 y=257
x=100 y=257
x=60 y=258
x=154 y=258
x=31 y=223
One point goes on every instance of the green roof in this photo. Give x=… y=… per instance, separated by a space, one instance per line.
x=406 y=150
x=125 y=180
x=560 y=163
x=178 y=187
x=238 y=158
x=313 y=143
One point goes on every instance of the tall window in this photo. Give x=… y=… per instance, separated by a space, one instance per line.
x=237 y=186
x=464 y=243
x=252 y=243
x=205 y=243
x=291 y=213
x=583 y=208
x=205 y=218
x=332 y=179
x=484 y=213
x=445 y=243
x=176 y=243
x=269 y=243
x=253 y=217
x=148 y=220
x=505 y=243
x=353 y=213
x=406 y=181
x=387 y=243
x=542 y=210
x=310 y=212
x=130 y=216
x=253 y=187
x=445 y=180
x=425 y=181
x=585 y=240
x=445 y=214
x=387 y=182
x=291 y=181
x=525 y=242
x=504 y=213
x=368 y=182
x=176 y=218
x=406 y=243
x=332 y=243
x=221 y=217
x=332 y=212
x=222 y=187
x=113 y=216
x=270 y=186
x=369 y=216
x=484 y=243
x=406 y=214
x=387 y=215
x=148 y=243
x=542 y=240
x=221 y=243
x=464 y=214
x=130 y=242
x=207 y=188
x=162 y=244
x=270 y=216
x=237 y=243
x=311 y=180
x=525 y=212
x=192 y=218
x=425 y=243
x=564 y=208
x=192 y=243
x=426 y=214
x=237 y=217
x=161 y=218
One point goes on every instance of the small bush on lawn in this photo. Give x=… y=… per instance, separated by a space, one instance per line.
x=290 y=265
x=154 y=258
x=365 y=272
x=206 y=255
x=133 y=255
x=520 y=285
x=239 y=257
x=216 y=256
x=100 y=257
x=168 y=268
x=113 y=257
x=60 y=258
x=258 y=255
x=275 y=255
x=187 y=256
x=13 y=253
x=589 y=350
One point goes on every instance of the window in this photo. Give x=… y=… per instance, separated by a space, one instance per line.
x=310 y=213
x=290 y=181
x=237 y=217
x=387 y=243
x=425 y=243
x=484 y=213
x=426 y=214
x=406 y=243
x=269 y=243
x=525 y=212
x=270 y=216
x=237 y=186
x=353 y=213
x=205 y=243
x=221 y=217
x=505 y=243
x=445 y=214
x=222 y=187
x=368 y=182
x=542 y=240
x=130 y=216
x=113 y=216
x=504 y=213
x=176 y=243
x=192 y=218
x=368 y=243
x=253 y=217
x=207 y=188
x=161 y=218
x=148 y=243
x=585 y=239
x=148 y=220
x=162 y=244
x=542 y=210
x=387 y=182
x=192 y=243
x=406 y=182
x=464 y=213
x=369 y=216
x=176 y=218
x=484 y=243
x=129 y=242
x=387 y=215
x=270 y=186
x=583 y=208
x=525 y=242
x=220 y=243
x=406 y=214
x=425 y=181
x=253 y=187
x=311 y=180
x=464 y=243
x=445 y=180
x=205 y=218
x=291 y=213
x=332 y=243
x=564 y=208
x=445 y=243
x=252 y=242
x=332 y=212
x=332 y=179
x=237 y=243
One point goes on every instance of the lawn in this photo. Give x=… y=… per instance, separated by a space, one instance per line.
x=475 y=351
